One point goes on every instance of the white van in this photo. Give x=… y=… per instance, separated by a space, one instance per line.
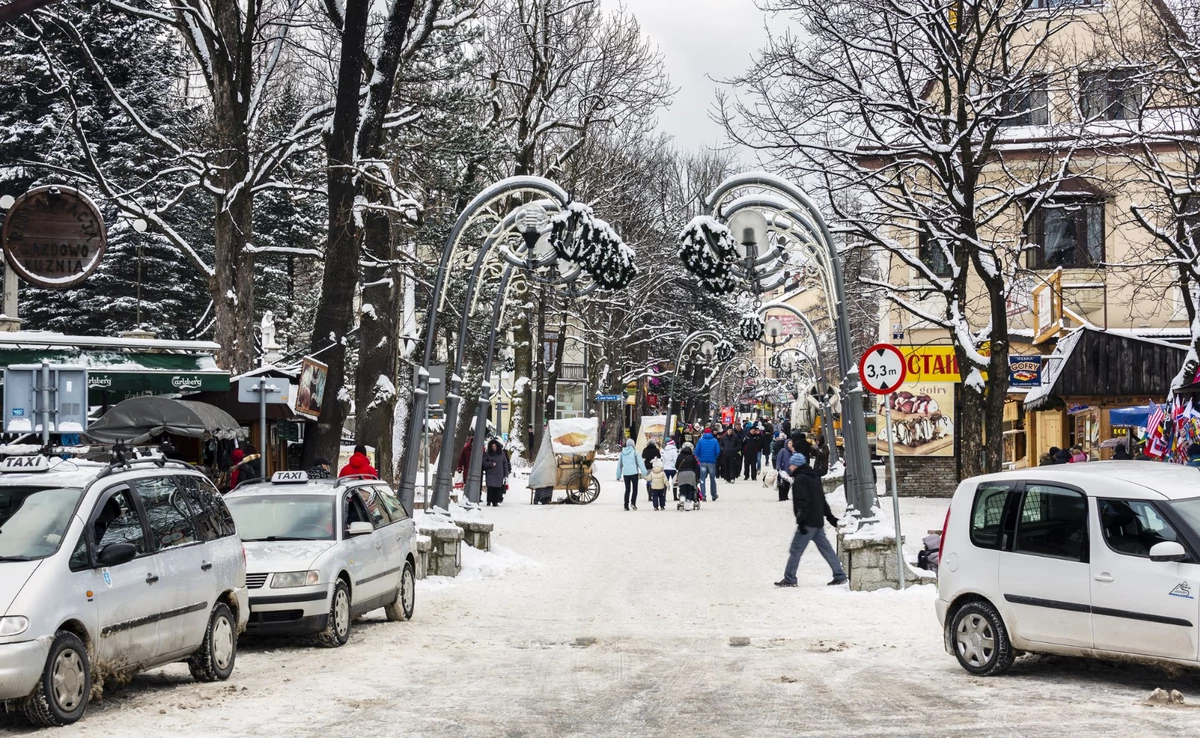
x=108 y=570
x=1094 y=559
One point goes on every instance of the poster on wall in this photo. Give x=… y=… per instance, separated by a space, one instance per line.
x=652 y=426
x=922 y=420
x=312 y=387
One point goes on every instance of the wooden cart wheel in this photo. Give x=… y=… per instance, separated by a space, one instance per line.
x=583 y=488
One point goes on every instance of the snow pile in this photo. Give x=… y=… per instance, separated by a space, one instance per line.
x=479 y=565
x=837 y=470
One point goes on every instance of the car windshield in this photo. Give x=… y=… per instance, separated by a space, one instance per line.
x=276 y=517
x=1189 y=510
x=33 y=520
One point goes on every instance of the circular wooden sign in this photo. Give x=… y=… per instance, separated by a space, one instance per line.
x=53 y=237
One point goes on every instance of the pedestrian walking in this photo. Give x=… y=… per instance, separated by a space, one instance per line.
x=496 y=468
x=752 y=447
x=649 y=454
x=688 y=473
x=731 y=450
x=630 y=468
x=1077 y=455
x=802 y=445
x=1121 y=453
x=464 y=456
x=248 y=470
x=782 y=459
x=811 y=510
x=708 y=451
x=670 y=456
x=821 y=464
x=657 y=482
x=359 y=465
x=320 y=469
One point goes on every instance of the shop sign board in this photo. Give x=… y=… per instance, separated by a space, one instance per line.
x=311 y=391
x=53 y=237
x=1024 y=371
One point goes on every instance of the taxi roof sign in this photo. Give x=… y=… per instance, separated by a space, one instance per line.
x=24 y=464
x=289 y=477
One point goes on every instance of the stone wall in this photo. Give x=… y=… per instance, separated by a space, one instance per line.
x=923 y=476
x=872 y=563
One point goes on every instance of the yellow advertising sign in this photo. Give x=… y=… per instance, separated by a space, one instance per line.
x=931 y=364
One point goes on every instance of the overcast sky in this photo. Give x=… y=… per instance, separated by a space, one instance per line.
x=702 y=41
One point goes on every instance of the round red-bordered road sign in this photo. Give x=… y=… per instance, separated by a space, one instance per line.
x=882 y=368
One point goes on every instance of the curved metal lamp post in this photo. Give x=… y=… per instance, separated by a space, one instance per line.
x=823 y=397
x=777 y=219
x=552 y=198
x=708 y=348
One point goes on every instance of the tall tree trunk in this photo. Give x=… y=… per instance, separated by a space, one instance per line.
x=556 y=370
x=375 y=378
x=232 y=283
x=335 y=317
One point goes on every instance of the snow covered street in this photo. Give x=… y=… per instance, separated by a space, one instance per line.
x=591 y=621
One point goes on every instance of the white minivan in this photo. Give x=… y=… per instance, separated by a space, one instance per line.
x=107 y=570
x=1095 y=559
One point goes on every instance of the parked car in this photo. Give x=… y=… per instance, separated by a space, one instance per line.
x=1096 y=559
x=321 y=552
x=108 y=570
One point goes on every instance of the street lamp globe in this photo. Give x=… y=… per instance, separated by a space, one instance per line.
x=6 y=202
x=773 y=328
x=749 y=228
x=707 y=349
x=531 y=221
x=139 y=225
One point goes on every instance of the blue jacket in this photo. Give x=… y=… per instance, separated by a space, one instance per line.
x=708 y=448
x=782 y=458
x=630 y=463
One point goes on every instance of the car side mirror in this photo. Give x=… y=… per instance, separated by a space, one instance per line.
x=1167 y=551
x=115 y=554
x=360 y=529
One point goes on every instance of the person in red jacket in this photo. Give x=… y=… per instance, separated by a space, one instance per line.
x=359 y=464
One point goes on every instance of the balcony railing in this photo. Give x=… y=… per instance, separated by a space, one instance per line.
x=576 y=372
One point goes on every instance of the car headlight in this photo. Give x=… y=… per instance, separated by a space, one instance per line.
x=13 y=625
x=295 y=579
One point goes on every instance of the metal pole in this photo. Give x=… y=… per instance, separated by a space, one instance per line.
x=807 y=216
x=900 y=566
x=262 y=424
x=408 y=475
x=473 y=474
x=44 y=390
x=426 y=464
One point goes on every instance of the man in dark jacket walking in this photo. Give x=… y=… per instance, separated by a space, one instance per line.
x=752 y=446
x=649 y=454
x=812 y=510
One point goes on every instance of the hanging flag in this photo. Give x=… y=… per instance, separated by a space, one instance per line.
x=1155 y=445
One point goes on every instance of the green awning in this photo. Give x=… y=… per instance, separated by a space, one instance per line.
x=114 y=376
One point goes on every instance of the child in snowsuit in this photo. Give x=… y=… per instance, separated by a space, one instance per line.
x=658 y=482
x=688 y=472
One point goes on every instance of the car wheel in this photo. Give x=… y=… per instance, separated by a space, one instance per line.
x=213 y=661
x=406 y=597
x=980 y=639
x=337 y=627
x=62 y=693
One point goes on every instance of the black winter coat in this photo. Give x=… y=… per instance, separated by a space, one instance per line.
x=821 y=465
x=730 y=444
x=808 y=499
x=752 y=445
x=649 y=454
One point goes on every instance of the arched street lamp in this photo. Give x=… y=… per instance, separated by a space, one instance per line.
x=582 y=249
x=757 y=231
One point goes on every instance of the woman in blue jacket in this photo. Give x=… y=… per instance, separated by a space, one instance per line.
x=630 y=467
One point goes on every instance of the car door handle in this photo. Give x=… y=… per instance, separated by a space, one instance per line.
x=1103 y=577
x=206 y=566
x=151 y=578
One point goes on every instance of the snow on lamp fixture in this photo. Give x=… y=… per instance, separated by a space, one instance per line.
x=531 y=222
x=751 y=327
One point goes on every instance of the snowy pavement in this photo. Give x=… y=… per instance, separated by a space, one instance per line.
x=592 y=621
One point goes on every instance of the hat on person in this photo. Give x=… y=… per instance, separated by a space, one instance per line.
x=687 y=446
x=322 y=461
x=707 y=429
x=238 y=455
x=798 y=459
x=658 y=464
x=670 y=441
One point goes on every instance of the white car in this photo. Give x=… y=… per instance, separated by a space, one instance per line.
x=1096 y=559
x=321 y=552
x=108 y=570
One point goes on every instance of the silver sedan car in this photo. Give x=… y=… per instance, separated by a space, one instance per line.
x=320 y=552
